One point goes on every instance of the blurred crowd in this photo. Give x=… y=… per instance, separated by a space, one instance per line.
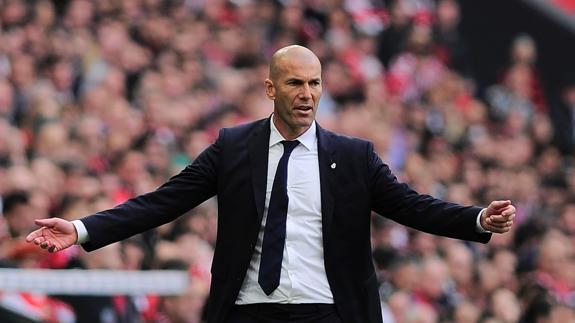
x=103 y=100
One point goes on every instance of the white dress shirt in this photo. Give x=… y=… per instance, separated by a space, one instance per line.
x=303 y=278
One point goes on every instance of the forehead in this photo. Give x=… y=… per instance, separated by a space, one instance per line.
x=299 y=67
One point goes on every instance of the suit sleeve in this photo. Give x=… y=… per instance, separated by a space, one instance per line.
x=402 y=204
x=186 y=190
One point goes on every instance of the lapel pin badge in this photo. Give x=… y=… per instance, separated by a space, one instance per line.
x=333 y=165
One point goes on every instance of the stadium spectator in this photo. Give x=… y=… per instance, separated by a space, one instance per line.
x=17 y=211
x=85 y=86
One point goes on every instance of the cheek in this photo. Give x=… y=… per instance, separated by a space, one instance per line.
x=317 y=94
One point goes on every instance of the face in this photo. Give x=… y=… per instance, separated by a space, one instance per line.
x=295 y=87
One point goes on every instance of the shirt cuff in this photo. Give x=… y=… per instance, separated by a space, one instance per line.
x=478 y=226
x=82 y=232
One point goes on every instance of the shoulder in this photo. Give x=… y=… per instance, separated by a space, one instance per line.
x=341 y=141
x=244 y=130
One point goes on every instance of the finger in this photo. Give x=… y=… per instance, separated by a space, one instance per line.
x=500 y=218
x=509 y=210
x=33 y=235
x=495 y=219
x=46 y=222
x=498 y=226
x=501 y=225
x=39 y=240
x=497 y=205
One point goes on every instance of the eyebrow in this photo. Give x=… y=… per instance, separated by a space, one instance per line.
x=298 y=80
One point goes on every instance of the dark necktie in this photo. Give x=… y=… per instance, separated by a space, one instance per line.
x=275 y=230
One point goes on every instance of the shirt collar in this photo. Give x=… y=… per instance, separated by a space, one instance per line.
x=308 y=139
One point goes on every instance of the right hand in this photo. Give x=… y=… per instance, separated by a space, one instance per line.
x=55 y=234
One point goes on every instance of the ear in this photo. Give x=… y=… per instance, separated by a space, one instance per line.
x=270 y=89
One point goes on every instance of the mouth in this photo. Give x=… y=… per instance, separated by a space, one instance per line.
x=304 y=108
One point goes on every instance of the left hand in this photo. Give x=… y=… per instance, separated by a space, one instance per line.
x=498 y=216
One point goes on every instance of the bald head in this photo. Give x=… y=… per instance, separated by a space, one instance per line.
x=294 y=84
x=289 y=55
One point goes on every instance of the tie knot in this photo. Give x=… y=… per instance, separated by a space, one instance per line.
x=289 y=146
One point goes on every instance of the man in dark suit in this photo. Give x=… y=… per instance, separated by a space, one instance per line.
x=294 y=205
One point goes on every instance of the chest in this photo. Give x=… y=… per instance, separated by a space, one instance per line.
x=303 y=180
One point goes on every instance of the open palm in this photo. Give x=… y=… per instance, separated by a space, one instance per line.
x=55 y=234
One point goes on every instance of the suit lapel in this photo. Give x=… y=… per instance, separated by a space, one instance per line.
x=258 y=147
x=327 y=167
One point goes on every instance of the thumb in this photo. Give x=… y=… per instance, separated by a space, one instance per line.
x=497 y=205
x=50 y=223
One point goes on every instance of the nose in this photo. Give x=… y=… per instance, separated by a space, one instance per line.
x=305 y=92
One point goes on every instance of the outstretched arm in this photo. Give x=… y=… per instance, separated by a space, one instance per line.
x=55 y=234
x=193 y=185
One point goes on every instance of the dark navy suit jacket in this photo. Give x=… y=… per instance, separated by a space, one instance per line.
x=235 y=169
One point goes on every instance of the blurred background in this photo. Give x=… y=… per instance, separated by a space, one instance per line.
x=465 y=100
